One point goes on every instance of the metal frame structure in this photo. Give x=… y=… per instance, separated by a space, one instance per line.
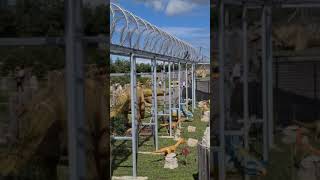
x=137 y=38
x=267 y=58
x=74 y=41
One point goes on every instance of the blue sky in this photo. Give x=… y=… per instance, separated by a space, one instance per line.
x=188 y=20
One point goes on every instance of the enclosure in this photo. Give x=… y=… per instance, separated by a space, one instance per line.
x=167 y=76
x=276 y=95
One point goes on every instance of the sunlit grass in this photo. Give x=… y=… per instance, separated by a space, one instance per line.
x=152 y=165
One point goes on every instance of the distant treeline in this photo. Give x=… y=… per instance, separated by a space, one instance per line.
x=123 y=66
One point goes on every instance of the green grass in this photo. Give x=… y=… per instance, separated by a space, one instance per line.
x=281 y=162
x=152 y=165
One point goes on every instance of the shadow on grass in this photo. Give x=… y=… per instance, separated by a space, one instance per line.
x=195 y=176
x=121 y=153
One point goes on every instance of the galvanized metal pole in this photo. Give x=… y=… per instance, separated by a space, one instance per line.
x=174 y=86
x=75 y=90
x=164 y=86
x=264 y=87
x=155 y=103
x=133 y=86
x=186 y=80
x=245 y=83
x=221 y=159
x=179 y=92
x=193 y=87
x=270 y=75
x=170 y=103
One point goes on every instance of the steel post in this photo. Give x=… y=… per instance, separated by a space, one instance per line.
x=264 y=86
x=170 y=103
x=179 y=92
x=245 y=82
x=75 y=90
x=155 y=103
x=186 y=80
x=193 y=87
x=133 y=86
x=221 y=159
x=270 y=75
x=164 y=85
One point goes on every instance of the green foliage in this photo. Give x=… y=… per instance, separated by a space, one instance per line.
x=143 y=68
x=123 y=66
x=120 y=66
x=45 y=18
x=143 y=80
x=39 y=18
x=120 y=79
x=118 y=124
x=41 y=59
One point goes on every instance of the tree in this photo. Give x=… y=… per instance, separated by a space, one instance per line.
x=143 y=67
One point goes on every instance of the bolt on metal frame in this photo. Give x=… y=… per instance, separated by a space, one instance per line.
x=267 y=60
x=137 y=38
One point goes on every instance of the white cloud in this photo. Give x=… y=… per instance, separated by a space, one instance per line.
x=158 y=5
x=176 y=7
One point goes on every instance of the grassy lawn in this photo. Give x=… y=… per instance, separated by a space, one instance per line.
x=281 y=162
x=152 y=165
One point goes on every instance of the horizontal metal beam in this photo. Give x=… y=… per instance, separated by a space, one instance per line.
x=40 y=41
x=127 y=74
x=301 y=53
x=121 y=138
x=297 y=59
x=125 y=51
x=148 y=124
x=254 y=4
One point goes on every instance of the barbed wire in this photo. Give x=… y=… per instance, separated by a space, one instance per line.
x=129 y=30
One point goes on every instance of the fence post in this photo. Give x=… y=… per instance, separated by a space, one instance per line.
x=203 y=162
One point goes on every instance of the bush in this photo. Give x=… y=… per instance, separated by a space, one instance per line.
x=118 y=124
x=120 y=79
x=143 y=80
